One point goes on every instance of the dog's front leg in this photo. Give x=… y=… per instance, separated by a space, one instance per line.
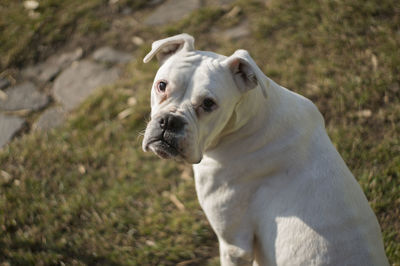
x=232 y=255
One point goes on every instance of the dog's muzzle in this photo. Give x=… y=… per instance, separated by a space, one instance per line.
x=164 y=136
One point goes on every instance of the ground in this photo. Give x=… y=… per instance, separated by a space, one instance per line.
x=85 y=193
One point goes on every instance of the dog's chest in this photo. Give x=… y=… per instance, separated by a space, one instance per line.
x=225 y=202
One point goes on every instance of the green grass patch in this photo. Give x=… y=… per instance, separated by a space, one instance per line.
x=29 y=35
x=86 y=193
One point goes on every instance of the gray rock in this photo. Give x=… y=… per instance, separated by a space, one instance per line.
x=171 y=11
x=9 y=126
x=226 y=2
x=126 y=11
x=219 y=3
x=51 y=118
x=49 y=72
x=53 y=66
x=23 y=96
x=80 y=80
x=110 y=55
x=154 y=2
x=31 y=72
x=4 y=83
x=238 y=32
x=49 y=69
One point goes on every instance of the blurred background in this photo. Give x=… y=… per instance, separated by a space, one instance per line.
x=75 y=186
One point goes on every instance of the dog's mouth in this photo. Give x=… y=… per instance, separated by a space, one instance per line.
x=163 y=149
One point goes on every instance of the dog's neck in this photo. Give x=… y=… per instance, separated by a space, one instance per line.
x=245 y=110
x=284 y=122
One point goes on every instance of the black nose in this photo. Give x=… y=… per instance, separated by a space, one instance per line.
x=171 y=123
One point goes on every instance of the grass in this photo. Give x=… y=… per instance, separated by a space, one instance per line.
x=95 y=197
x=31 y=35
x=86 y=193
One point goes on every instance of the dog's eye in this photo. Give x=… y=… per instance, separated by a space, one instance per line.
x=161 y=86
x=208 y=105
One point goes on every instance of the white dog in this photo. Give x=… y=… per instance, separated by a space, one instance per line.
x=273 y=187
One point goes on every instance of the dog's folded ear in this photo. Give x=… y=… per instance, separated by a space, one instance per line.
x=164 y=48
x=246 y=74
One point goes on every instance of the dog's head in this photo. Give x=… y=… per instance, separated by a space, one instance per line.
x=193 y=97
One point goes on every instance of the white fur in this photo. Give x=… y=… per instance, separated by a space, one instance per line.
x=272 y=185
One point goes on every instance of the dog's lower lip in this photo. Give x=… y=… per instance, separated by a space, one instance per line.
x=163 y=149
